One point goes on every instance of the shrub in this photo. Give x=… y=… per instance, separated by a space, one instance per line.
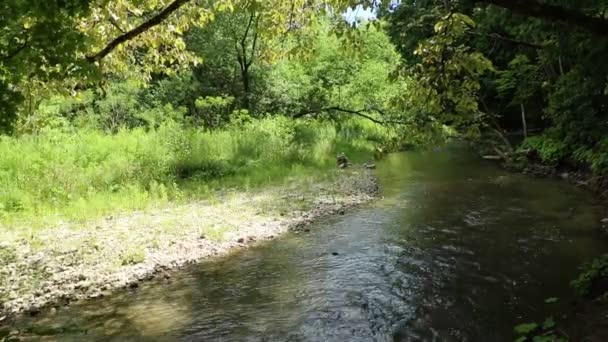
x=549 y=149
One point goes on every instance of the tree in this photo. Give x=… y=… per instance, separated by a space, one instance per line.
x=520 y=82
x=68 y=45
x=232 y=40
x=542 y=65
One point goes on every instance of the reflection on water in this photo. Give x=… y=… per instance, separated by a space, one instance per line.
x=457 y=250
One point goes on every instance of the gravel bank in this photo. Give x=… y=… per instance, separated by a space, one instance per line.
x=70 y=262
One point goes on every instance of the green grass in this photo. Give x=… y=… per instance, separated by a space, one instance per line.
x=83 y=175
x=133 y=256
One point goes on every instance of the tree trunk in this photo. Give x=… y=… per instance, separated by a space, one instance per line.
x=246 y=87
x=523 y=120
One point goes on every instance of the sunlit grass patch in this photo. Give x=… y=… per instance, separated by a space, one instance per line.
x=76 y=177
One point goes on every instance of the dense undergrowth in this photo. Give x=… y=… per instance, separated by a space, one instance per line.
x=553 y=151
x=79 y=175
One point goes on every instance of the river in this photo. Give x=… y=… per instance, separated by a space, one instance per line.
x=456 y=250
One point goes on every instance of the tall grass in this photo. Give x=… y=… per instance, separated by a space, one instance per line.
x=76 y=176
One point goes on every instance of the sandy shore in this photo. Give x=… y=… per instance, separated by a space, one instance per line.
x=69 y=262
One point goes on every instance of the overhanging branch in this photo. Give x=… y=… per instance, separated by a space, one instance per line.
x=568 y=16
x=362 y=113
x=129 y=35
x=502 y=38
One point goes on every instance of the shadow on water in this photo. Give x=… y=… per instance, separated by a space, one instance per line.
x=457 y=250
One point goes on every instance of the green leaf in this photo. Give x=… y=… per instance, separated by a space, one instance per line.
x=525 y=328
x=550 y=338
x=551 y=300
x=549 y=323
x=465 y=19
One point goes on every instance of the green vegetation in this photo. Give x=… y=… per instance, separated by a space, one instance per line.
x=133 y=256
x=90 y=173
x=544 y=332
x=593 y=273
x=121 y=105
x=498 y=66
x=128 y=143
x=477 y=66
x=7 y=336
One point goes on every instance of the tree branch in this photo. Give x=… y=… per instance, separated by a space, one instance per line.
x=152 y=22
x=255 y=40
x=506 y=39
x=244 y=39
x=116 y=25
x=360 y=113
x=14 y=54
x=568 y=16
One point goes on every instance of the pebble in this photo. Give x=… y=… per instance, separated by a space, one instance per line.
x=95 y=295
x=82 y=285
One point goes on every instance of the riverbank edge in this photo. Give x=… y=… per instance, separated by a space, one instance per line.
x=578 y=175
x=351 y=188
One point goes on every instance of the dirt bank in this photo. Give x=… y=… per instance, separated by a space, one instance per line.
x=68 y=262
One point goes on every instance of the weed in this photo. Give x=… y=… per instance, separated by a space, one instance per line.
x=133 y=256
x=593 y=273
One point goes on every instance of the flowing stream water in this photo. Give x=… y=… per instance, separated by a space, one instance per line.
x=456 y=250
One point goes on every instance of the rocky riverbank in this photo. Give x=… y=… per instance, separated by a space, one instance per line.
x=58 y=265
